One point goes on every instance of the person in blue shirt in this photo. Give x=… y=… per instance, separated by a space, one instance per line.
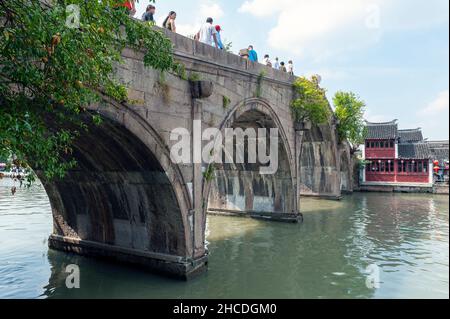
x=219 y=37
x=252 y=55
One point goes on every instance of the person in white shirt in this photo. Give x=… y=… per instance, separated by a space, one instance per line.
x=208 y=34
x=267 y=61
x=277 y=64
x=290 y=68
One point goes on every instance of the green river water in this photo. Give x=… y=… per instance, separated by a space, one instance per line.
x=406 y=236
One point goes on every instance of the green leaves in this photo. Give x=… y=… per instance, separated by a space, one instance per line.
x=310 y=103
x=350 y=113
x=50 y=72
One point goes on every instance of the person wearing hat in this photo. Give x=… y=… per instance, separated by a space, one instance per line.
x=219 y=38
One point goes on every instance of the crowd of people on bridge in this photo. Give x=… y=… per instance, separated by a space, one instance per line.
x=209 y=34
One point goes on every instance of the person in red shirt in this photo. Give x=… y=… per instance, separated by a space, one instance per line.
x=131 y=7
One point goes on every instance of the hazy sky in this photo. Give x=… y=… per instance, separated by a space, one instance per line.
x=393 y=53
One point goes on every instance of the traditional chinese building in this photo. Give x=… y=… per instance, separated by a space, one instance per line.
x=396 y=158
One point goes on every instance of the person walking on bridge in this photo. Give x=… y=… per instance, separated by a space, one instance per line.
x=169 y=22
x=148 y=16
x=208 y=33
x=252 y=55
x=130 y=5
x=277 y=64
x=267 y=61
x=290 y=67
x=219 y=37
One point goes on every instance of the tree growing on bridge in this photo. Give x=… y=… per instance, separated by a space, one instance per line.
x=310 y=102
x=56 y=59
x=350 y=114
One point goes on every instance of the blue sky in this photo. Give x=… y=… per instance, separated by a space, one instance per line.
x=393 y=53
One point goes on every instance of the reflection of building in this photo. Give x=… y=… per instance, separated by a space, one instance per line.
x=396 y=158
x=440 y=155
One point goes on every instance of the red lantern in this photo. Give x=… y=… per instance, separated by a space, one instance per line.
x=436 y=163
x=436 y=169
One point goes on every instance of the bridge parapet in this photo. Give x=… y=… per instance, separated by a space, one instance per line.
x=188 y=48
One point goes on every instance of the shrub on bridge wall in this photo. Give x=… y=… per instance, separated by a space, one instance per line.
x=226 y=101
x=259 y=80
x=310 y=102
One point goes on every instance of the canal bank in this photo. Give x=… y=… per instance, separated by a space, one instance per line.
x=405 y=235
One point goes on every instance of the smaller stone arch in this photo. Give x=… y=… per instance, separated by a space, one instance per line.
x=240 y=189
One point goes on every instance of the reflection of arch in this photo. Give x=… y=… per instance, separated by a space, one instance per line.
x=124 y=194
x=259 y=113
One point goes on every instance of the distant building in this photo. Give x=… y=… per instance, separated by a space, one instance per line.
x=396 y=157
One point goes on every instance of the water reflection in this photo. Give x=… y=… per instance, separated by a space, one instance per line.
x=407 y=236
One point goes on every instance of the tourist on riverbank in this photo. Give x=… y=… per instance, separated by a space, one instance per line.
x=252 y=55
x=267 y=61
x=208 y=34
x=149 y=13
x=277 y=64
x=283 y=67
x=290 y=68
x=219 y=37
x=169 y=22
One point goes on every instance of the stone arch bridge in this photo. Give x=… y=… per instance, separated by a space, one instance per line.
x=127 y=201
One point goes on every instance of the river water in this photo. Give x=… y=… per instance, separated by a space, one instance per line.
x=405 y=237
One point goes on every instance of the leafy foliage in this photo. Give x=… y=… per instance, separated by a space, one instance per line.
x=195 y=77
x=50 y=72
x=350 y=113
x=209 y=174
x=310 y=103
x=259 y=83
x=226 y=101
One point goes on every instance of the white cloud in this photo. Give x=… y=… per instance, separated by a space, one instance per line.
x=324 y=28
x=262 y=8
x=439 y=105
x=434 y=117
x=211 y=9
x=319 y=28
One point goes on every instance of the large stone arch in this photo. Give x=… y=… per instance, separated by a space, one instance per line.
x=125 y=200
x=275 y=193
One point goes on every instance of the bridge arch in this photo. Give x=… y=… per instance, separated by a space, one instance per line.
x=125 y=199
x=240 y=189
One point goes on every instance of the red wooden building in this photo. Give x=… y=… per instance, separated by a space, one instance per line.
x=396 y=157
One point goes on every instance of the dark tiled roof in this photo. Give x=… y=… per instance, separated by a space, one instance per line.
x=439 y=150
x=414 y=151
x=382 y=131
x=410 y=136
